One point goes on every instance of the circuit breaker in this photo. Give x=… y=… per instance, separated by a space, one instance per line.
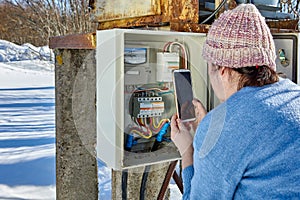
x=135 y=94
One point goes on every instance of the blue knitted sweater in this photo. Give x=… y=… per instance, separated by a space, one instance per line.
x=248 y=147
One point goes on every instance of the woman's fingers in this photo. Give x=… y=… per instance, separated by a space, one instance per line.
x=174 y=127
x=174 y=122
x=182 y=126
x=180 y=135
x=200 y=112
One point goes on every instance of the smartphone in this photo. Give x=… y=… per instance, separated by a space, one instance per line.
x=184 y=95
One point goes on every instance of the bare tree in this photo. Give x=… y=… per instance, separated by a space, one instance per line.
x=35 y=21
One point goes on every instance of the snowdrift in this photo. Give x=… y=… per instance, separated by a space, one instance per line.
x=13 y=52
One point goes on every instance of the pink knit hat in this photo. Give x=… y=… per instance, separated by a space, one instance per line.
x=240 y=38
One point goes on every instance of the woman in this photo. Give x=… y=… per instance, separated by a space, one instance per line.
x=248 y=147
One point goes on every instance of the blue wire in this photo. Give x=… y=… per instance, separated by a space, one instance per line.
x=162 y=132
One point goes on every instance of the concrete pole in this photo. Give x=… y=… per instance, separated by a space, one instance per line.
x=76 y=165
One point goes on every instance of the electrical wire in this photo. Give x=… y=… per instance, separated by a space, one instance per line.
x=140 y=121
x=150 y=128
x=144 y=182
x=144 y=134
x=151 y=89
x=124 y=184
x=215 y=12
x=156 y=128
x=184 y=52
x=168 y=47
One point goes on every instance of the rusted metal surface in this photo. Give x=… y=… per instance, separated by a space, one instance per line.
x=231 y=4
x=155 y=20
x=167 y=179
x=106 y=10
x=181 y=15
x=190 y=27
x=277 y=30
x=78 y=41
x=134 y=22
x=184 y=11
x=284 y=24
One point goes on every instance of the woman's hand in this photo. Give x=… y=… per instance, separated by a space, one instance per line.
x=183 y=140
x=181 y=133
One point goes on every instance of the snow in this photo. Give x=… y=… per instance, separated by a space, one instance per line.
x=12 y=52
x=27 y=192
x=27 y=126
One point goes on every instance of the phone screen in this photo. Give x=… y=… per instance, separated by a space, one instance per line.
x=184 y=95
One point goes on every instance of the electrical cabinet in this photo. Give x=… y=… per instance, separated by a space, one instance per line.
x=135 y=94
x=288 y=57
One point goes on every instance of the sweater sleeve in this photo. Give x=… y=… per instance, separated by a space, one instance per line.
x=187 y=175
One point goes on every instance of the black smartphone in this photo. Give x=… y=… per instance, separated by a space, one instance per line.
x=184 y=94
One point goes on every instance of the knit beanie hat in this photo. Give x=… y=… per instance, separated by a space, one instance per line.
x=240 y=38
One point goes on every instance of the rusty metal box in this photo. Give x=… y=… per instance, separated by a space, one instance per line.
x=106 y=10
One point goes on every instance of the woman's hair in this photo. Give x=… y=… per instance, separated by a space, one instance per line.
x=256 y=76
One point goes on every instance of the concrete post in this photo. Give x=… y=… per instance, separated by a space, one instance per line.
x=76 y=165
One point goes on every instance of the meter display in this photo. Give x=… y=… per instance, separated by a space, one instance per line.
x=135 y=56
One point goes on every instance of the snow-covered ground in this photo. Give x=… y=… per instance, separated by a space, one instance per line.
x=27 y=126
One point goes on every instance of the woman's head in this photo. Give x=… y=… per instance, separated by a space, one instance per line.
x=241 y=41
